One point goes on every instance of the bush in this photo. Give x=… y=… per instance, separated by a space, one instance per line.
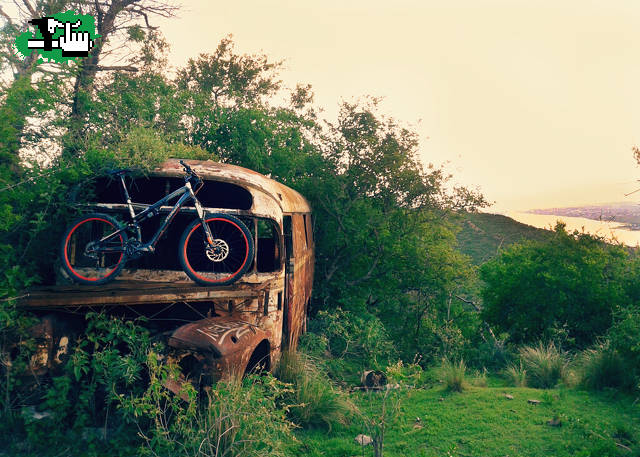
x=234 y=418
x=569 y=284
x=479 y=379
x=624 y=338
x=516 y=375
x=348 y=343
x=454 y=375
x=314 y=402
x=602 y=367
x=240 y=419
x=492 y=354
x=545 y=365
x=405 y=373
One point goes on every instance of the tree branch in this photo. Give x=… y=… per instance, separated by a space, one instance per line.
x=6 y=16
x=31 y=9
x=116 y=68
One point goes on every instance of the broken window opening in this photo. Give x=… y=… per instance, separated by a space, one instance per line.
x=214 y=194
x=268 y=248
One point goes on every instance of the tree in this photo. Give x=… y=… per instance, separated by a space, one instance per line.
x=125 y=34
x=384 y=233
x=570 y=283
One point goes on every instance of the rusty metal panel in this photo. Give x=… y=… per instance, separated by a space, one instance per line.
x=135 y=292
x=224 y=336
x=223 y=344
x=298 y=291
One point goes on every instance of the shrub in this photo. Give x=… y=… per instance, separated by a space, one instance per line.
x=241 y=419
x=235 y=418
x=545 y=365
x=479 y=379
x=348 y=343
x=313 y=400
x=624 y=338
x=454 y=375
x=354 y=335
x=516 y=375
x=405 y=373
x=569 y=283
x=602 y=367
x=492 y=354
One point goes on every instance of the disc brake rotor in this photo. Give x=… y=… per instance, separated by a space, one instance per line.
x=217 y=251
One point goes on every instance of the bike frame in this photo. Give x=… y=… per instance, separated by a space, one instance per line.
x=184 y=193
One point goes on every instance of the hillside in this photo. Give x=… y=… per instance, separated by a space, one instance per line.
x=483 y=234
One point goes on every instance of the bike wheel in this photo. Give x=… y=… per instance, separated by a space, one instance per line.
x=226 y=260
x=82 y=252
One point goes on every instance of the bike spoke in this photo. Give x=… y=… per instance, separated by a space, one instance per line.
x=228 y=255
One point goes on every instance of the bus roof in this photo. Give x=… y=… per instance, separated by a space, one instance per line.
x=288 y=199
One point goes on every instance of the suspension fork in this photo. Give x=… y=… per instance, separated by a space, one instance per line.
x=200 y=212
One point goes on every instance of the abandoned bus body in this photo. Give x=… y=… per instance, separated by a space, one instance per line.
x=211 y=332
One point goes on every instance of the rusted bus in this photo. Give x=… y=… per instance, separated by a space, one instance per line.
x=229 y=329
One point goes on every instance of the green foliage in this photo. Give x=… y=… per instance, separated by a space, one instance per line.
x=409 y=374
x=106 y=364
x=313 y=401
x=624 y=338
x=226 y=77
x=488 y=353
x=144 y=149
x=516 y=375
x=353 y=336
x=545 y=365
x=454 y=375
x=243 y=419
x=602 y=367
x=571 y=282
x=235 y=418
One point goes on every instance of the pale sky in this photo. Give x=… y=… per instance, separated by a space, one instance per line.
x=536 y=102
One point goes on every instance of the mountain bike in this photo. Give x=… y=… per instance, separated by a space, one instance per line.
x=215 y=249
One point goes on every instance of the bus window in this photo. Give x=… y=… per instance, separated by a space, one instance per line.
x=306 y=231
x=309 y=229
x=268 y=249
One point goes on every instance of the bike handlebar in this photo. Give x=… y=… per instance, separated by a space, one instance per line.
x=187 y=168
x=190 y=173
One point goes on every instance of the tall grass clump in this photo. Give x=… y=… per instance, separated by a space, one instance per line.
x=313 y=400
x=516 y=375
x=545 y=365
x=454 y=375
x=242 y=419
x=602 y=367
x=234 y=418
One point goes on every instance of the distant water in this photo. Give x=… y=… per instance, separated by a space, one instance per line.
x=610 y=230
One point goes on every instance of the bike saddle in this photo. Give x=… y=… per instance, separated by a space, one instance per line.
x=119 y=171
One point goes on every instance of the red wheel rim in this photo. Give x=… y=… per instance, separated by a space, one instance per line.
x=232 y=275
x=66 y=245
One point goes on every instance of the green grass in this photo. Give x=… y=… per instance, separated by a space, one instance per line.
x=482 y=422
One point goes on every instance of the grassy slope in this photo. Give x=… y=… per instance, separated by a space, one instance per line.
x=482 y=422
x=482 y=235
